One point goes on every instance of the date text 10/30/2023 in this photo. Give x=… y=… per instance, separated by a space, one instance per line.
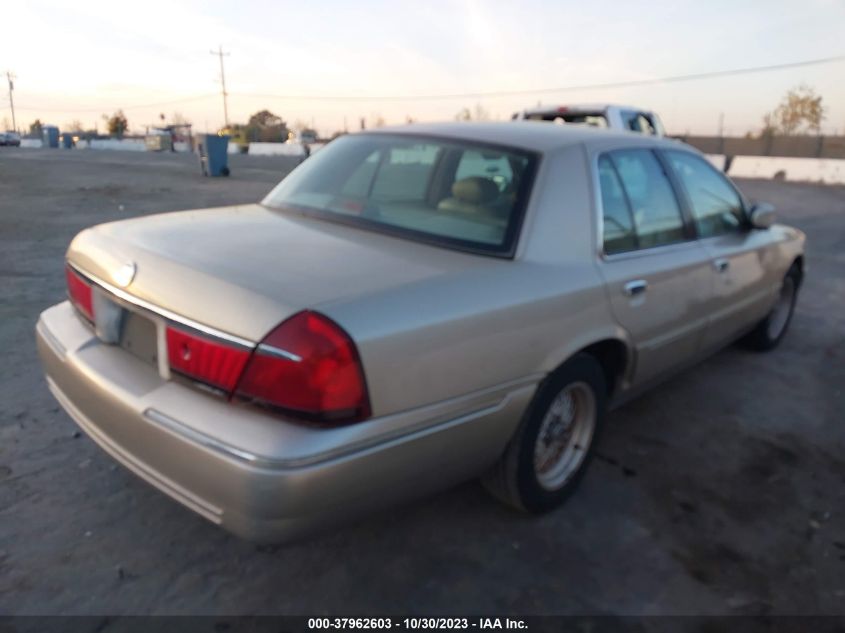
x=419 y=623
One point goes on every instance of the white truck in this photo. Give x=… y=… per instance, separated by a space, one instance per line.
x=616 y=117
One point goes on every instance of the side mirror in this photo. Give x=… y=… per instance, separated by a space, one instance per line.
x=762 y=215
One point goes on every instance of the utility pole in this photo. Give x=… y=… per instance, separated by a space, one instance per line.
x=219 y=52
x=11 y=77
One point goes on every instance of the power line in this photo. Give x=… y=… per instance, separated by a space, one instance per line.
x=219 y=52
x=131 y=107
x=533 y=91
x=465 y=95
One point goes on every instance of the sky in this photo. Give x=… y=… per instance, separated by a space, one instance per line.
x=75 y=61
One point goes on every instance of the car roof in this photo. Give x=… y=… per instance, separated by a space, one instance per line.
x=537 y=136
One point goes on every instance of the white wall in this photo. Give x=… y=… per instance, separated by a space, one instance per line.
x=276 y=149
x=130 y=144
x=827 y=170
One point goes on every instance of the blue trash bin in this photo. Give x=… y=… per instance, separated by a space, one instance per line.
x=217 y=154
x=67 y=140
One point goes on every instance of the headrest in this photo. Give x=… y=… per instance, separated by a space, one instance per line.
x=475 y=190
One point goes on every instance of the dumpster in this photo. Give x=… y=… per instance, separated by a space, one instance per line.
x=67 y=140
x=50 y=136
x=214 y=155
x=158 y=142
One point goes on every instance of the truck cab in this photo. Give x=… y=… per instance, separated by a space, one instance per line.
x=615 y=117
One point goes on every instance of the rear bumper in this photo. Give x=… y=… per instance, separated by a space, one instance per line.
x=256 y=475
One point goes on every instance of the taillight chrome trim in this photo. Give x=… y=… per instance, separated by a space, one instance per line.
x=271 y=350
x=163 y=313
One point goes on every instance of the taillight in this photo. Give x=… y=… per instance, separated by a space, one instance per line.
x=80 y=293
x=309 y=367
x=211 y=361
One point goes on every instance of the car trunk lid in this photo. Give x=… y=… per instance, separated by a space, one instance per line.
x=243 y=269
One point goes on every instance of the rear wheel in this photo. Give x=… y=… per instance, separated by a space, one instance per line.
x=771 y=330
x=549 y=453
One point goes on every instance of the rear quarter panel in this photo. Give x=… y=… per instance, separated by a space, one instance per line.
x=508 y=322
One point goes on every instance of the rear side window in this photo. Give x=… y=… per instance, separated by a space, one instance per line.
x=638 y=122
x=716 y=206
x=651 y=201
x=619 y=235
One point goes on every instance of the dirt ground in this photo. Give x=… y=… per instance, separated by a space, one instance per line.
x=720 y=492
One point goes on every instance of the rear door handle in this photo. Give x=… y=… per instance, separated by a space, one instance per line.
x=636 y=287
x=721 y=265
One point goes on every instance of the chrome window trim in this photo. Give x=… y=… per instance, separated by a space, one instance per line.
x=163 y=312
x=651 y=250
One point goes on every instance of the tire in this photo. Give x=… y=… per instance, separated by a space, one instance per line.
x=523 y=477
x=769 y=332
x=225 y=171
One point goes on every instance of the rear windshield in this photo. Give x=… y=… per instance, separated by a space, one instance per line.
x=593 y=119
x=452 y=193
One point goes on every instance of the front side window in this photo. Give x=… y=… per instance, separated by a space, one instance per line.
x=653 y=205
x=452 y=192
x=716 y=206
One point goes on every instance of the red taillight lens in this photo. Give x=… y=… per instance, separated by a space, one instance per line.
x=309 y=367
x=80 y=293
x=210 y=361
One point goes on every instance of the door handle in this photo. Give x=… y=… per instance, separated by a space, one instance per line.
x=721 y=265
x=636 y=287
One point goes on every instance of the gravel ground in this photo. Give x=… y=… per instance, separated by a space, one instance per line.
x=720 y=492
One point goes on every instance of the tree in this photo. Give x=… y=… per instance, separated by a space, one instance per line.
x=267 y=127
x=35 y=128
x=800 y=111
x=117 y=124
x=178 y=119
x=75 y=126
x=478 y=113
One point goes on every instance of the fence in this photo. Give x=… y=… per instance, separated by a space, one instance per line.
x=782 y=146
